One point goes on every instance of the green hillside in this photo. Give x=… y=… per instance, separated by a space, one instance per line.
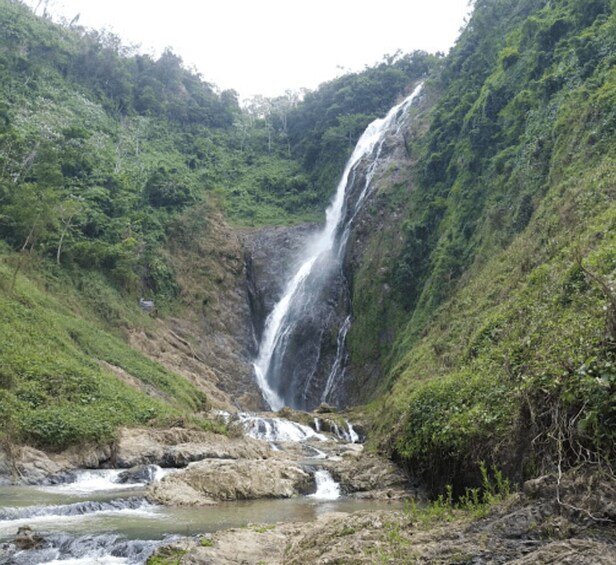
x=483 y=297
x=502 y=304
x=110 y=161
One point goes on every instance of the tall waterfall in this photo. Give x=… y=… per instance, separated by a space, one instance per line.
x=302 y=328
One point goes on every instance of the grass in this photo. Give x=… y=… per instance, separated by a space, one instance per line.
x=264 y=528
x=56 y=383
x=521 y=347
x=167 y=556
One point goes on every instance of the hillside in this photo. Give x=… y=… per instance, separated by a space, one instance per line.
x=490 y=321
x=122 y=177
x=488 y=333
x=439 y=344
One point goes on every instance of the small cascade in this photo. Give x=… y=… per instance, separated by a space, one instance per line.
x=317 y=424
x=346 y=433
x=277 y=429
x=294 y=365
x=107 y=549
x=353 y=435
x=131 y=504
x=314 y=453
x=97 y=480
x=327 y=488
x=338 y=366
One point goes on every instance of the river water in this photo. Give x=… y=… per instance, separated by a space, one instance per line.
x=96 y=519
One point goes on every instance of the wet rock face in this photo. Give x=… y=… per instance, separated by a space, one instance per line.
x=138 y=474
x=271 y=256
x=300 y=370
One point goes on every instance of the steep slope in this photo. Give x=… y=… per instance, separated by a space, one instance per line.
x=484 y=315
x=114 y=171
x=125 y=177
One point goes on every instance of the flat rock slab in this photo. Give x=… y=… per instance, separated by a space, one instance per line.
x=178 y=447
x=214 y=480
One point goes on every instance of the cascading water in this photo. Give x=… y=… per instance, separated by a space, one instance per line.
x=302 y=349
x=327 y=488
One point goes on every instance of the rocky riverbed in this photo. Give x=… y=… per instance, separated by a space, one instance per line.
x=570 y=520
x=73 y=504
x=528 y=528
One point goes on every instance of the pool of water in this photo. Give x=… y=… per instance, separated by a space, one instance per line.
x=115 y=523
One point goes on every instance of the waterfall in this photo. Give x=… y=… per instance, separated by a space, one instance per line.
x=289 y=367
x=102 y=549
x=28 y=514
x=338 y=365
x=327 y=488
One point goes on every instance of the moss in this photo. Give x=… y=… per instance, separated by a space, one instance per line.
x=167 y=556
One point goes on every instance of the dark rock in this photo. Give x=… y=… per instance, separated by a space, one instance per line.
x=138 y=474
x=27 y=539
x=61 y=478
x=300 y=367
x=271 y=260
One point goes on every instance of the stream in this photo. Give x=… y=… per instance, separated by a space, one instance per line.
x=97 y=519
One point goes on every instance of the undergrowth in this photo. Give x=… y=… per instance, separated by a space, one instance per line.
x=506 y=273
x=475 y=502
x=69 y=378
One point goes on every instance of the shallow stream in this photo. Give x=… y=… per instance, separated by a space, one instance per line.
x=97 y=520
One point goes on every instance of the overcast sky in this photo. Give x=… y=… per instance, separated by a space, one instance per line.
x=268 y=46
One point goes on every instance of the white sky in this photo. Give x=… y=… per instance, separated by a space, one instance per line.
x=268 y=46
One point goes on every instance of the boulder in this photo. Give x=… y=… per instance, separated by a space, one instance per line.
x=368 y=476
x=27 y=539
x=215 y=480
x=177 y=447
x=27 y=465
x=138 y=474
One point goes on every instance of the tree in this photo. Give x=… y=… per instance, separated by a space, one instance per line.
x=67 y=211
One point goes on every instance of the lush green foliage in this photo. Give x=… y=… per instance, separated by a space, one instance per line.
x=110 y=162
x=324 y=129
x=101 y=149
x=503 y=280
x=59 y=382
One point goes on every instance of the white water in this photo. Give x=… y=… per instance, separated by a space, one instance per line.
x=96 y=480
x=274 y=332
x=353 y=436
x=116 y=531
x=91 y=560
x=369 y=145
x=338 y=362
x=327 y=488
x=277 y=429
